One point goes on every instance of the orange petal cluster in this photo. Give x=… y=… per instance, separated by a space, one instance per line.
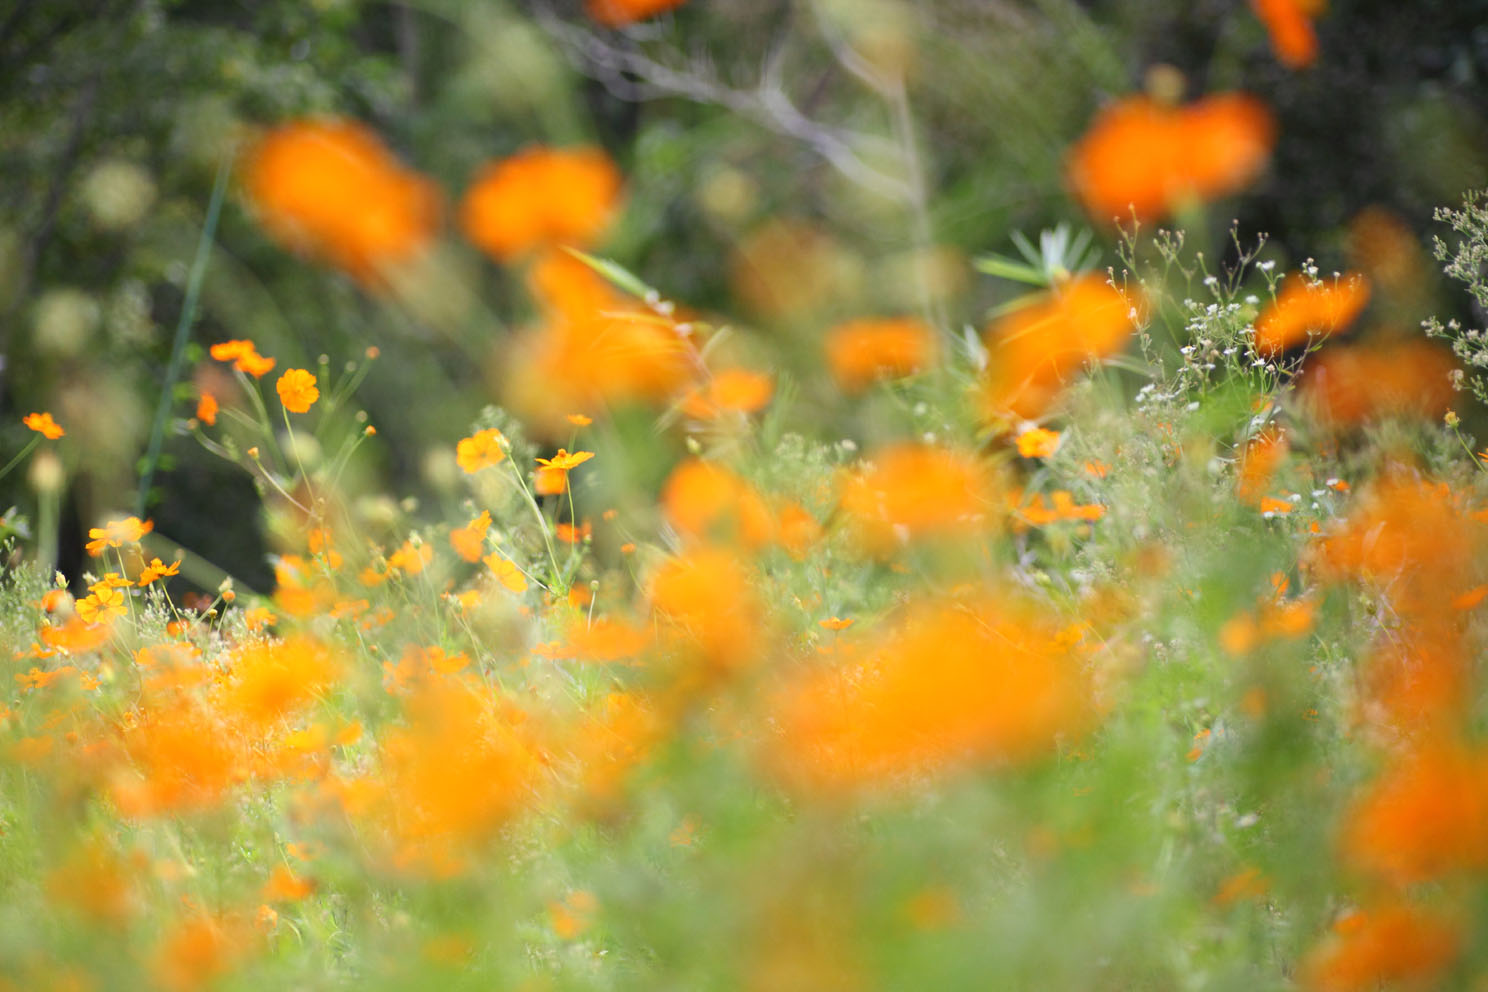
x=331 y=189
x=538 y=198
x=862 y=352
x=1147 y=158
x=1305 y=310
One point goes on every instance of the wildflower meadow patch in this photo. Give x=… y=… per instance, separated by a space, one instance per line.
x=662 y=494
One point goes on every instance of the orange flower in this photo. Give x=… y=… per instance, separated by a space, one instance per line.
x=862 y=352
x=539 y=197
x=704 y=500
x=616 y=13
x=1305 y=310
x=272 y=680
x=1034 y=350
x=946 y=685
x=469 y=541
x=1384 y=945
x=43 y=424
x=481 y=450
x=507 y=573
x=706 y=600
x=206 y=409
x=552 y=473
x=915 y=492
x=1141 y=156
x=244 y=356
x=1345 y=386
x=1425 y=817
x=330 y=189
x=730 y=391
x=116 y=533
x=1038 y=443
x=1289 y=23
x=297 y=390
x=285 y=886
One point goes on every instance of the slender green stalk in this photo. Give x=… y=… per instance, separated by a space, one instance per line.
x=183 y=331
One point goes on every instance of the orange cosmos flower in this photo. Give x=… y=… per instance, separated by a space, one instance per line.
x=1289 y=23
x=43 y=424
x=297 y=390
x=330 y=189
x=913 y=492
x=269 y=681
x=948 y=684
x=862 y=352
x=617 y=13
x=1382 y=946
x=730 y=391
x=1144 y=157
x=206 y=409
x=481 y=450
x=1305 y=310
x=506 y=572
x=1033 y=351
x=1038 y=443
x=469 y=541
x=1345 y=386
x=244 y=356
x=706 y=601
x=704 y=500
x=552 y=473
x=1426 y=816
x=540 y=197
x=116 y=533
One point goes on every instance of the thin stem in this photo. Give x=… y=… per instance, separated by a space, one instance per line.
x=183 y=330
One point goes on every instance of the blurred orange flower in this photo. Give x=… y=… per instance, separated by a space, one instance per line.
x=730 y=391
x=1144 y=157
x=481 y=450
x=540 y=197
x=43 y=424
x=703 y=500
x=947 y=684
x=1383 y=945
x=861 y=352
x=206 y=409
x=1289 y=23
x=1306 y=310
x=617 y=13
x=469 y=541
x=1033 y=351
x=912 y=492
x=331 y=189
x=1345 y=386
x=116 y=533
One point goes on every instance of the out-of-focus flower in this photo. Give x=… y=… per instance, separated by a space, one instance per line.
x=1383 y=945
x=1347 y=385
x=331 y=189
x=1145 y=157
x=116 y=533
x=705 y=501
x=244 y=356
x=1034 y=351
x=729 y=391
x=1305 y=310
x=297 y=390
x=541 y=197
x=1038 y=442
x=43 y=424
x=469 y=541
x=861 y=352
x=206 y=409
x=949 y=684
x=617 y=13
x=916 y=492
x=1289 y=23
x=481 y=450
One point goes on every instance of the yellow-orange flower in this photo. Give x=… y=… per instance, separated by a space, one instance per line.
x=481 y=450
x=1033 y=351
x=862 y=352
x=915 y=492
x=469 y=541
x=730 y=391
x=552 y=473
x=116 y=533
x=703 y=500
x=1343 y=386
x=332 y=190
x=1144 y=157
x=244 y=356
x=1395 y=945
x=297 y=390
x=43 y=424
x=1037 y=442
x=539 y=197
x=156 y=570
x=948 y=684
x=1306 y=310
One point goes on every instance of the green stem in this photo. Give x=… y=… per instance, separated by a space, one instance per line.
x=30 y=446
x=183 y=330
